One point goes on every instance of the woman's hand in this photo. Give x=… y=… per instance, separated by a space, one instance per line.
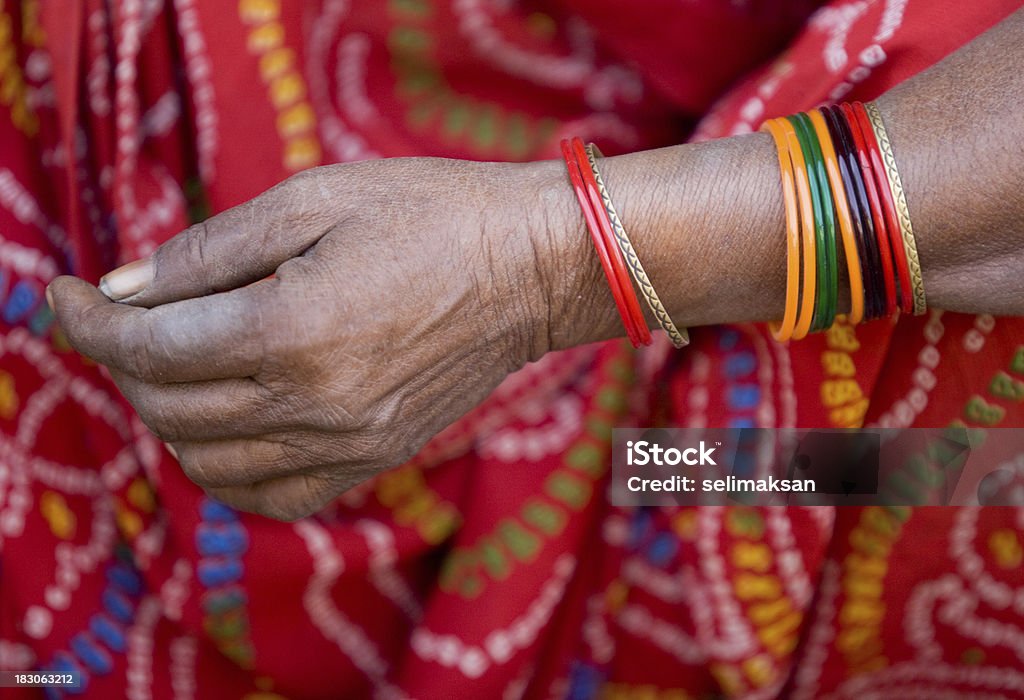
x=404 y=291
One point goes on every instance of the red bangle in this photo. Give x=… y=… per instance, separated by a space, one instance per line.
x=892 y=224
x=636 y=314
x=616 y=277
x=881 y=231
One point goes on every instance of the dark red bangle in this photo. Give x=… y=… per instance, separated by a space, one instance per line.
x=867 y=250
x=602 y=246
x=636 y=314
x=874 y=203
x=892 y=224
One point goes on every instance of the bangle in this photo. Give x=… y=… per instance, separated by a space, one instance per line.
x=679 y=338
x=784 y=330
x=822 y=205
x=840 y=145
x=892 y=225
x=803 y=190
x=867 y=248
x=902 y=212
x=636 y=314
x=831 y=263
x=842 y=206
x=839 y=179
x=875 y=205
x=576 y=178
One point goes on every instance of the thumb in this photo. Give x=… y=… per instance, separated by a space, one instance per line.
x=233 y=249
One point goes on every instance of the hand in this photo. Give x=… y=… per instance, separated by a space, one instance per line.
x=403 y=292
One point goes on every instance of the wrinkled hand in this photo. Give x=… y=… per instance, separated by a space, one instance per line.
x=403 y=292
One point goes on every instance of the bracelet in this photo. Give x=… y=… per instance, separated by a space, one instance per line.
x=783 y=331
x=867 y=249
x=636 y=314
x=902 y=212
x=576 y=178
x=839 y=180
x=803 y=190
x=679 y=338
x=829 y=253
x=608 y=252
x=875 y=205
x=892 y=225
x=842 y=207
x=822 y=206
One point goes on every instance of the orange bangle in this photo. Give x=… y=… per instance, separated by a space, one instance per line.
x=784 y=330
x=803 y=190
x=843 y=210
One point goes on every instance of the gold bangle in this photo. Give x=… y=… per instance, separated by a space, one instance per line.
x=679 y=338
x=900 y=201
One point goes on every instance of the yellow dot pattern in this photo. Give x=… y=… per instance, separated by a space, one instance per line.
x=286 y=88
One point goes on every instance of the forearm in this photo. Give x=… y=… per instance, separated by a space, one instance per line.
x=708 y=221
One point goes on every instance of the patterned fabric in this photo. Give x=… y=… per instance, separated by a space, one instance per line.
x=491 y=565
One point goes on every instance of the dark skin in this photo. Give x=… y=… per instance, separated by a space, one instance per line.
x=395 y=308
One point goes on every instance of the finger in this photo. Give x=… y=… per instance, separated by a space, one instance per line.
x=213 y=337
x=245 y=461
x=212 y=410
x=288 y=498
x=230 y=250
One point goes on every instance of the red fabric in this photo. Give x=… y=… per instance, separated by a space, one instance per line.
x=491 y=565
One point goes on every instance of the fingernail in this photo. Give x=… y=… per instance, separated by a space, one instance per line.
x=171 y=449
x=128 y=279
x=49 y=299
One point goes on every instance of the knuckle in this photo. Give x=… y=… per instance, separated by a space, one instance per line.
x=286 y=508
x=139 y=342
x=388 y=439
x=330 y=416
x=350 y=477
x=284 y=512
x=303 y=451
x=288 y=457
x=379 y=446
x=163 y=418
x=197 y=239
x=197 y=471
x=302 y=179
x=84 y=331
x=74 y=332
x=275 y=328
x=364 y=447
x=154 y=418
x=311 y=184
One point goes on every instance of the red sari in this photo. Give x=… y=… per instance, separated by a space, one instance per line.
x=491 y=565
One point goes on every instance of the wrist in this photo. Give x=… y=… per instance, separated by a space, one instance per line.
x=706 y=221
x=578 y=307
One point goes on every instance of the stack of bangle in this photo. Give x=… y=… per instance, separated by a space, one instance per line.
x=614 y=249
x=839 y=181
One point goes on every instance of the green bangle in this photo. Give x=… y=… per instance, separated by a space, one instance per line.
x=825 y=225
x=820 y=294
x=831 y=226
